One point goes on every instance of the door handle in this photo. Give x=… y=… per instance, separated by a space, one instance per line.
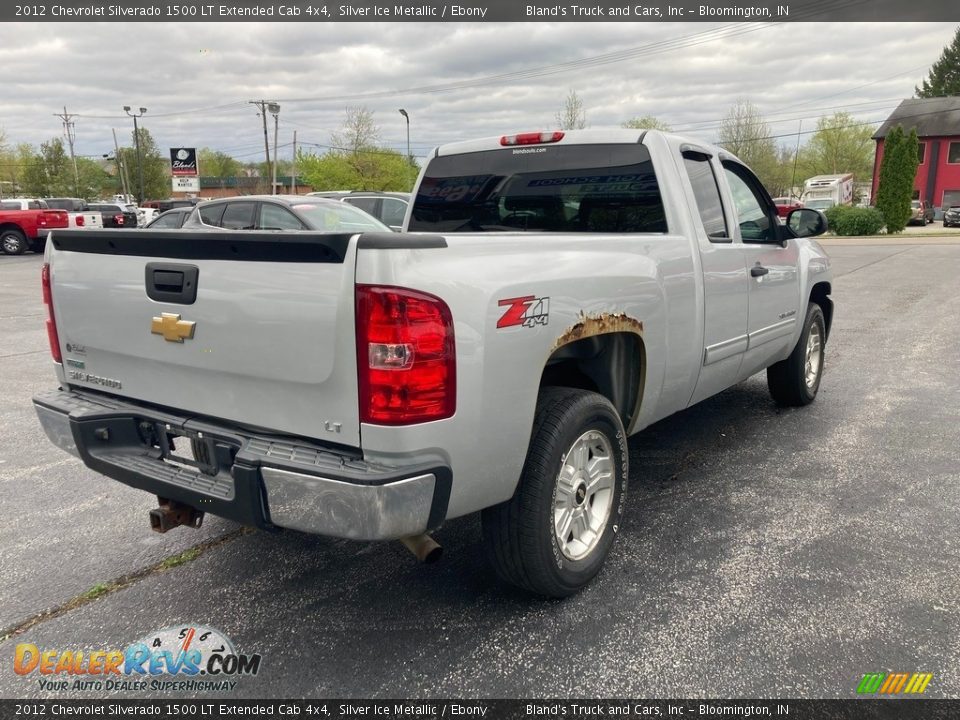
x=172 y=282
x=758 y=270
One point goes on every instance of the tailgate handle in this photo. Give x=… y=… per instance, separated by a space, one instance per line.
x=172 y=282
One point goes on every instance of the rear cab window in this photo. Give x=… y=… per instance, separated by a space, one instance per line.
x=595 y=188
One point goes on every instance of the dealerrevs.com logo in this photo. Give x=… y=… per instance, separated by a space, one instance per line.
x=185 y=658
x=894 y=683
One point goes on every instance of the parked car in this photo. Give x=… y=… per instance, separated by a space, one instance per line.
x=22 y=230
x=388 y=207
x=951 y=216
x=146 y=215
x=23 y=204
x=920 y=213
x=493 y=359
x=170 y=203
x=79 y=213
x=281 y=212
x=116 y=215
x=171 y=219
x=785 y=205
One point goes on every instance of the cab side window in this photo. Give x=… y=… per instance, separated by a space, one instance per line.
x=707 y=194
x=756 y=218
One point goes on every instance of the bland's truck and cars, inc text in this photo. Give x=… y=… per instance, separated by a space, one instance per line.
x=552 y=294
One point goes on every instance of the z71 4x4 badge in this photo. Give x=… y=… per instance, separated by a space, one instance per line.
x=526 y=311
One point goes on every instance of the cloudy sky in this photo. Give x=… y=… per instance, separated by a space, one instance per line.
x=457 y=81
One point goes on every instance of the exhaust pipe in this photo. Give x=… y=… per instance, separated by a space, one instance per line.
x=424 y=547
x=172 y=514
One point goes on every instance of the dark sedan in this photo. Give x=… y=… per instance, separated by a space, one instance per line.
x=116 y=215
x=951 y=217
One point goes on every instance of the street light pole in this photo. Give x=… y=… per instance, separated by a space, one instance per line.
x=136 y=140
x=275 y=111
x=407 y=118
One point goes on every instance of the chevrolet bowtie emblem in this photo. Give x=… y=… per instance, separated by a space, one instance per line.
x=172 y=327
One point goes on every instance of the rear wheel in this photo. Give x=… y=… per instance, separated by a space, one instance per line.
x=13 y=242
x=795 y=381
x=553 y=536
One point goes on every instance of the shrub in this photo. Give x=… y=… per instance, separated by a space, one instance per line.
x=846 y=220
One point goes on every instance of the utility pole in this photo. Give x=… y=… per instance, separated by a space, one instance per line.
x=121 y=170
x=262 y=104
x=293 y=180
x=796 y=156
x=68 y=130
x=275 y=111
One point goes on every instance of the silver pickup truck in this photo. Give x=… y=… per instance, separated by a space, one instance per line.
x=552 y=294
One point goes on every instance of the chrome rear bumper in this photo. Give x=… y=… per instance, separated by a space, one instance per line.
x=264 y=481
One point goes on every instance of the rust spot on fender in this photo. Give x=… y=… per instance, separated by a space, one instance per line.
x=589 y=325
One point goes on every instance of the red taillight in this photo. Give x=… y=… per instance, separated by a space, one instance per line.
x=53 y=219
x=532 y=138
x=80 y=221
x=405 y=356
x=51 y=321
x=118 y=219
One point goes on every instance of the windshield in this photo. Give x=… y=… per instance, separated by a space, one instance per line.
x=574 y=188
x=915 y=204
x=820 y=204
x=338 y=217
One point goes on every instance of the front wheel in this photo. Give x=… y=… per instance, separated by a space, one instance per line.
x=13 y=242
x=795 y=381
x=553 y=536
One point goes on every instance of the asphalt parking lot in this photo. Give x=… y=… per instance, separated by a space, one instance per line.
x=765 y=553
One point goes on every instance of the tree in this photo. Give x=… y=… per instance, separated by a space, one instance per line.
x=358 y=132
x=572 y=116
x=216 y=163
x=746 y=134
x=47 y=173
x=646 y=122
x=897 y=172
x=95 y=181
x=944 y=78
x=370 y=169
x=355 y=160
x=840 y=145
x=156 y=167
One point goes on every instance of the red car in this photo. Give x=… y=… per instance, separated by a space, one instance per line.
x=785 y=205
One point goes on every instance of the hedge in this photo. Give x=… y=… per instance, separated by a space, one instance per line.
x=846 y=220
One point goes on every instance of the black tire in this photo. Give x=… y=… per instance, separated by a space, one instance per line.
x=788 y=379
x=13 y=242
x=519 y=535
x=38 y=245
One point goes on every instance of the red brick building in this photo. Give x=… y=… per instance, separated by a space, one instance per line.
x=937 y=122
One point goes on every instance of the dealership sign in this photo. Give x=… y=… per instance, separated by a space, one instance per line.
x=183 y=161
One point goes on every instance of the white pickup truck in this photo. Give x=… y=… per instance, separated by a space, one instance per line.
x=553 y=293
x=80 y=215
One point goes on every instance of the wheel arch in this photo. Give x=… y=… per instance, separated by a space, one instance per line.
x=611 y=363
x=820 y=294
x=4 y=227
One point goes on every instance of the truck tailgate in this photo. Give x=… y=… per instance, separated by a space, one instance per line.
x=268 y=340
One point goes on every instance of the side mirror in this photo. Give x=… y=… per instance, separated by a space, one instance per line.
x=806 y=222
